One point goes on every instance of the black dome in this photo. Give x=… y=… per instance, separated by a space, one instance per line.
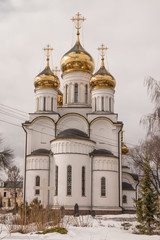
x=72 y=133
x=41 y=151
x=102 y=152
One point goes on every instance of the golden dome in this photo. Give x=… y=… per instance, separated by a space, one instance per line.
x=102 y=78
x=46 y=79
x=124 y=148
x=60 y=98
x=77 y=59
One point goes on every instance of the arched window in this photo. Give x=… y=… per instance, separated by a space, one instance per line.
x=37 y=104
x=86 y=93
x=95 y=105
x=56 y=181
x=66 y=92
x=52 y=104
x=76 y=93
x=69 y=180
x=124 y=200
x=37 y=181
x=103 y=187
x=110 y=106
x=44 y=104
x=102 y=103
x=83 y=181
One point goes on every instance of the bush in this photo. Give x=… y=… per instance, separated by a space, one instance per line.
x=60 y=230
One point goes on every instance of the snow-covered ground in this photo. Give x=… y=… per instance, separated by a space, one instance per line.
x=108 y=227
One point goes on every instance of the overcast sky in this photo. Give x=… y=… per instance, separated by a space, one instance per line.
x=129 y=28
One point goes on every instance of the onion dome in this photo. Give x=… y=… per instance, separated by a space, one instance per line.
x=47 y=79
x=60 y=98
x=72 y=133
x=124 y=148
x=102 y=78
x=77 y=59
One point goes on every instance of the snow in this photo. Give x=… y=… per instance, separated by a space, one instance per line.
x=107 y=227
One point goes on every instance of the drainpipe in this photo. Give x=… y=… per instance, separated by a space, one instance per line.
x=24 y=182
x=49 y=177
x=91 y=181
x=119 y=167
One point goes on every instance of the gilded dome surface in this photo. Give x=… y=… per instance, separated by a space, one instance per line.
x=46 y=79
x=77 y=59
x=102 y=79
x=124 y=148
x=60 y=98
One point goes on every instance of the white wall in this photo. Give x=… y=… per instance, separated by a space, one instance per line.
x=105 y=167
x=130 y=196
x=73 y=121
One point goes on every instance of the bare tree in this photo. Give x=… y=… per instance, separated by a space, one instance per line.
x=6 y=156
x=14 y=182
x=150 y=148
x=152 y=120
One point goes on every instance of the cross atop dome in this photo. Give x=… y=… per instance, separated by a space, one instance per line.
x=56 y=70
x=48 y=49
x=102 y=49
x=78 y=19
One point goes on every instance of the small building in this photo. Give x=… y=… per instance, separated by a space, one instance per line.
x=7 y=195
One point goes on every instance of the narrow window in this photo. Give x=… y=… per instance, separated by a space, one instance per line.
x=69 y=180
x=103 y=187
x=37 y=192
x=110 y=104
x=86 y=94
x=37 y=181
x=102 y=103
x=76 y=93
x=44 y=104
x=37 y=104
x=66 y=92
x=4 y=194
x=95 y=105
x=52 y=104
x=124 y=199
x=83 y=181
x=56 y=181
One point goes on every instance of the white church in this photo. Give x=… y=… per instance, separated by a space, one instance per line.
x=75 y=152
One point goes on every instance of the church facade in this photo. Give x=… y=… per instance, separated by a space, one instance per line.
x=75 y=152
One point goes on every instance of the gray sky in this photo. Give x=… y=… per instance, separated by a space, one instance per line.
x=129 y=28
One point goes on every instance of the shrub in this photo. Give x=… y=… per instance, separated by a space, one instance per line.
x=60 y=230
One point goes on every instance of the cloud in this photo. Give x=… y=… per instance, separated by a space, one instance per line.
x=130 y=29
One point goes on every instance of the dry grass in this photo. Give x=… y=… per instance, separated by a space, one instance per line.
x=32 y=218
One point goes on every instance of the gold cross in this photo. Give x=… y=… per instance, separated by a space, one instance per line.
x=48 y=49
x=56 y=70
x=78 y=19
x=102 y=48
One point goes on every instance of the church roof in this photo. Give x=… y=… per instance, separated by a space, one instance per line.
x=133 y=175
x=127 y=186
x=12 y=184
x=72 y=133
x=41 y=151
x=102 y=152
